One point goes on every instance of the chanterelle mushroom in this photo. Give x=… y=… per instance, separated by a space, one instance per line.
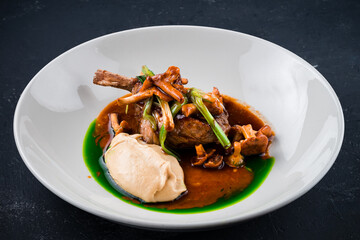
x=201 y=155
x=214 y=161
x=252 y=142
x=255 y=143
x=118 y=128
x=235 y=159
x=207 y=159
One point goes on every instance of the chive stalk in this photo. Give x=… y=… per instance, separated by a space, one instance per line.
x=147 y=113
x=141 y=78
x=196 y=98
x=175 y=108
x=162 y=138
x=164 y=106
x=146 y=71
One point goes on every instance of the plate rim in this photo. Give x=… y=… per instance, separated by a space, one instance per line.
x=134 y=222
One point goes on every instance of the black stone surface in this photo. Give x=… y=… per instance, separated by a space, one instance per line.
x=325 y=33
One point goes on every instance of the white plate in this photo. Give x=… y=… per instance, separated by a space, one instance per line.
x=57 y=106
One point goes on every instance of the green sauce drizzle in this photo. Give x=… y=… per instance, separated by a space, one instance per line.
x=92 y=157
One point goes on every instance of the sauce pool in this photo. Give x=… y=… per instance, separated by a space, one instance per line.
x=208 y=189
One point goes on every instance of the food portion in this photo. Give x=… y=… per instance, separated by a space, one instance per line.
x=209 y=134
x=151 y=175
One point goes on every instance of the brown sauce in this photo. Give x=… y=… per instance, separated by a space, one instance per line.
x=242 y=114
x=205 y=186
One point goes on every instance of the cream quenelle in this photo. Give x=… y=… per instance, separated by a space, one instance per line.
x=144 y=170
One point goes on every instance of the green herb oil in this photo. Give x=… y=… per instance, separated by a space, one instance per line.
x=93 y=155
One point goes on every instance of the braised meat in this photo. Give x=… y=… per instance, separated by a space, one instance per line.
x=148 y=133
x=105 y=78
x=168 y=114
x=190 y=131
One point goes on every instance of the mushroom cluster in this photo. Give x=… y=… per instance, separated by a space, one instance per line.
x=173 y=116
x=245 y=142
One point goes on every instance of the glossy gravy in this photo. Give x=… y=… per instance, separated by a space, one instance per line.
x=205 y=186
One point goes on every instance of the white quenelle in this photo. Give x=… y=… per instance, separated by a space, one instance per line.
x=144 y=170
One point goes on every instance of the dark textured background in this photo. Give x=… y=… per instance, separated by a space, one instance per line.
x=325 y=33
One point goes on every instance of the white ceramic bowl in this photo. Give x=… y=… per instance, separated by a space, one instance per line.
x=57 y=106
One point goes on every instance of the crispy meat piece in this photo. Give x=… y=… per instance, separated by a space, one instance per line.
x=105 y=78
